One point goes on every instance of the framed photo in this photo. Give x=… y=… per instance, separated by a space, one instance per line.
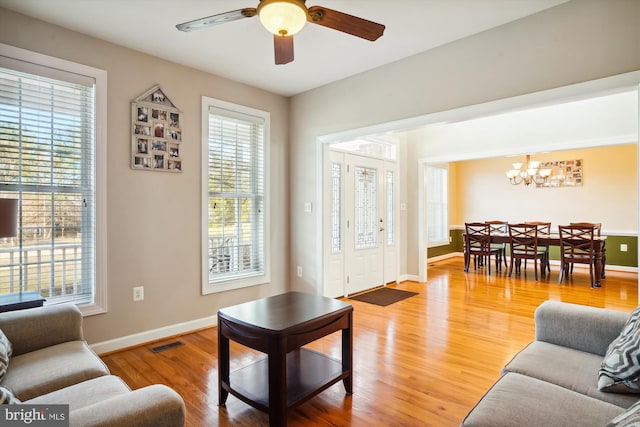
x=141 y=162
x=156 y=135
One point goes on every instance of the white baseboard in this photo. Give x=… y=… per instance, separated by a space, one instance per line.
x=410 y=277
x=153 y=335
x=445 y=256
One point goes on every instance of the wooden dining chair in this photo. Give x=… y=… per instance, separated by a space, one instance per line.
x=597 y=227
x=477 y=241
x=498 y=226
x=543 y=228
x=576 y=246
x=523 y=244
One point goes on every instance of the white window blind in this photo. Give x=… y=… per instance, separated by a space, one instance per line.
x=47 y=158
x=235 y=199
x=437 y=205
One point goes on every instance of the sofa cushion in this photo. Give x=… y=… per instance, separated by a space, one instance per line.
x=620 y=370
x=52 y=368
x=5 y=354
x=629 y=418
x=6 y=397
x=518 y=400
x=84 y=394
x=572 y=369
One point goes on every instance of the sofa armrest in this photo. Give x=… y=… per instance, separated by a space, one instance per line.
x=40 y=327
x=579 y=327
x=152 y=406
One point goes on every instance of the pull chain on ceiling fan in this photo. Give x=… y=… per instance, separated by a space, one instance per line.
x=284 y=18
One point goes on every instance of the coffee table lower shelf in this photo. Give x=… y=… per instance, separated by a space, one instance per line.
x=308 y=373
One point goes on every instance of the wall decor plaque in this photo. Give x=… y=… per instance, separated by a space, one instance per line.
x=156 y=132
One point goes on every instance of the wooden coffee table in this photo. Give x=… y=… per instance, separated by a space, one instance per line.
x=279 y=326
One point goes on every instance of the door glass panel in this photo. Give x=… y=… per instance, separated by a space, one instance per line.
x=336 y=207
x=366 y=208
x=390 y=218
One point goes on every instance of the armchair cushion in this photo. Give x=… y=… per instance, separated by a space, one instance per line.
x=5 y=354
x=48 y=369
x=620 y=370
x=37 y=328
x=108 y=401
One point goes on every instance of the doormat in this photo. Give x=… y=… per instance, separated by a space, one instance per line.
x=383 y=296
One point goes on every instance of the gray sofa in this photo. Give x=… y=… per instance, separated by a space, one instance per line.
x=52 y=364
x=554 y=380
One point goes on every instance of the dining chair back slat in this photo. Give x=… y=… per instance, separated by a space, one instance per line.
x=544 y=227
x=523 y=244
x=498 y=226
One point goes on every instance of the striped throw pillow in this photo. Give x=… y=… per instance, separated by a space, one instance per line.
x=7 y=397
x=629 y=418
x=620 y=369
x=5 y=354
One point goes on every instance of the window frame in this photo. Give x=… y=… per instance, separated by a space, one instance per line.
x=208 y=286
x=445 y=225
x=100 y=160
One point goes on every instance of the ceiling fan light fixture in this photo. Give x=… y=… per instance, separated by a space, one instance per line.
x=282 y=17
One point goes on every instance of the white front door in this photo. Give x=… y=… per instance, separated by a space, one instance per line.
x=364 y=202
x=360 y=223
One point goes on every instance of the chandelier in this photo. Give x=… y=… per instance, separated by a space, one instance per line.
x=528 y=172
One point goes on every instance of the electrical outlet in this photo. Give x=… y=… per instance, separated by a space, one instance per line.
x=623 y=247
x=138 y=293
x=299 y=271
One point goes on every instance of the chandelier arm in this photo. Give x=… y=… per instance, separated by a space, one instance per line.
x=515 y=180
x=539 y=179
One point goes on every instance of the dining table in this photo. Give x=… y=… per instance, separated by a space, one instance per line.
x=553 y=239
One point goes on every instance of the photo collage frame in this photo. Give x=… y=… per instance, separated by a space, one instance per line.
x=156 y=140
x=564 y=173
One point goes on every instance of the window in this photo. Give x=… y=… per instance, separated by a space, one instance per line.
x=391 y=223
x=235 y=237
x=52 y=157
x=336 y=207
x=437 y=205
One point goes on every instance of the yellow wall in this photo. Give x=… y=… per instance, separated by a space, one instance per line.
x=609 y=194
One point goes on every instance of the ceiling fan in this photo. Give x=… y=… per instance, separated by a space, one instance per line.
x=284 y=18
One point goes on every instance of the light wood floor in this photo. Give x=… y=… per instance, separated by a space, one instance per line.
x=422 y=361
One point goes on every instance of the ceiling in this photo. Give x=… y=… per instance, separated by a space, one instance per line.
x=243 y=50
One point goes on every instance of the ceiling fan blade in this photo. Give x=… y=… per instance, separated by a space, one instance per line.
x=220 y=18
x=346 y=23
x=283 y=46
